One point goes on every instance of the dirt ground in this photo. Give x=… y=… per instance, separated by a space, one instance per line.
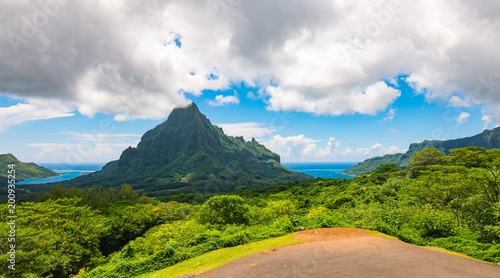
x=349 y=252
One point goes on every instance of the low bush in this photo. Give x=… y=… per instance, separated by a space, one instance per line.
x=223 y=209
x=481 y=251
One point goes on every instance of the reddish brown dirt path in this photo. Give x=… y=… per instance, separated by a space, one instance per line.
x=347 y=252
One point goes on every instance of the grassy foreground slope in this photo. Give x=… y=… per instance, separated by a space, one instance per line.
x=220 y=257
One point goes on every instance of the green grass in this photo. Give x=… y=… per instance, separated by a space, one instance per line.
x=434 y=248
x=439 y=249
x=220 y=257
x=375 y=233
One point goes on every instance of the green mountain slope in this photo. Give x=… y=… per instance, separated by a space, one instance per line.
x=23 y=170
x=187 y=153
x=489 y=139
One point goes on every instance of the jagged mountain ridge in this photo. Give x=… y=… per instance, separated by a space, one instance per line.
x=488 y=139
x=186 y=152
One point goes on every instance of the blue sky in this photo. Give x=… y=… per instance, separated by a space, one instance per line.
x=322 y=81
x=79 y=139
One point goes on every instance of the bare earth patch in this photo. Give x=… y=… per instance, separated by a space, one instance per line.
x=331 y=234
x=350 y=252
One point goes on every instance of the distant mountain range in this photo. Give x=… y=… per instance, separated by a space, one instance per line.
x=489 y=139
x=186 y=153
x=23 y=170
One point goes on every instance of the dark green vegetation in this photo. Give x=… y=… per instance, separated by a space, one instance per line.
x=488 y=139
x=24 y=171
x=187 y=153
x=449 y=201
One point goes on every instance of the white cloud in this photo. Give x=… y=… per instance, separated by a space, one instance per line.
x=247 y=130
x=255 y=96
x=79 y=152
x=330 y=149
x=463 y=117
x=85 y=147
x=323 y=57
x=20 y=113
x=221 y=100
x=292 y=146
x=373 y=100
x=390 y=115
x=456 y=101
x=98 y=136
x=375 y=150
x=300 y=146
x=393 y=130
x=487 y=121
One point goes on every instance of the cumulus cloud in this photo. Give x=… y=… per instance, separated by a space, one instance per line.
x=85 y=147
x=140 y=59
x=330 y=149
x=78 y=152
x=292 y=146
x=20 y=113
x=221 y=100
x=374 y=99
x=375 y=150
x=463 y=117
x=98 y=136
x=247 y=130
x=456 y=101
x=390 y=115
x=301 y=148
x=487 y=121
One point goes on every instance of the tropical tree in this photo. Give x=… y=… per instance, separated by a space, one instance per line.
x=54 y=238
x=223 y=209
x=423 y=159
x=444 y=188
x=486 y=169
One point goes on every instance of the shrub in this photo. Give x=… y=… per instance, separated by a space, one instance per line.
x=432 y=223
x=222 y=210
x=280 y=208
x=318 y=212
x=481 y=251
x=341 y=201
x=288 y=224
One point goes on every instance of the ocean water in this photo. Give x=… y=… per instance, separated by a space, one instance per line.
x=70 y=171
x=66 y=172
x=322 y=170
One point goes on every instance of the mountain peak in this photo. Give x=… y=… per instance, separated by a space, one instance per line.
x=181 y=120
x=187 y=151
x=191 y=108
x=184 y=115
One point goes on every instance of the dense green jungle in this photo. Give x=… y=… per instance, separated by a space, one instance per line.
x=449 y=201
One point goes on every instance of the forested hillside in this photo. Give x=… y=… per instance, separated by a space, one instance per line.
x=23 y=170
x=448 y=201
x=488 y=139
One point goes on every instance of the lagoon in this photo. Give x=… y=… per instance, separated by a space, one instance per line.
x=318 y=170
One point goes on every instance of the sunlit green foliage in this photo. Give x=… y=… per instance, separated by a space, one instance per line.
x=222 y=210
x=23 y=170
x=447 y=201
x=54 y=238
